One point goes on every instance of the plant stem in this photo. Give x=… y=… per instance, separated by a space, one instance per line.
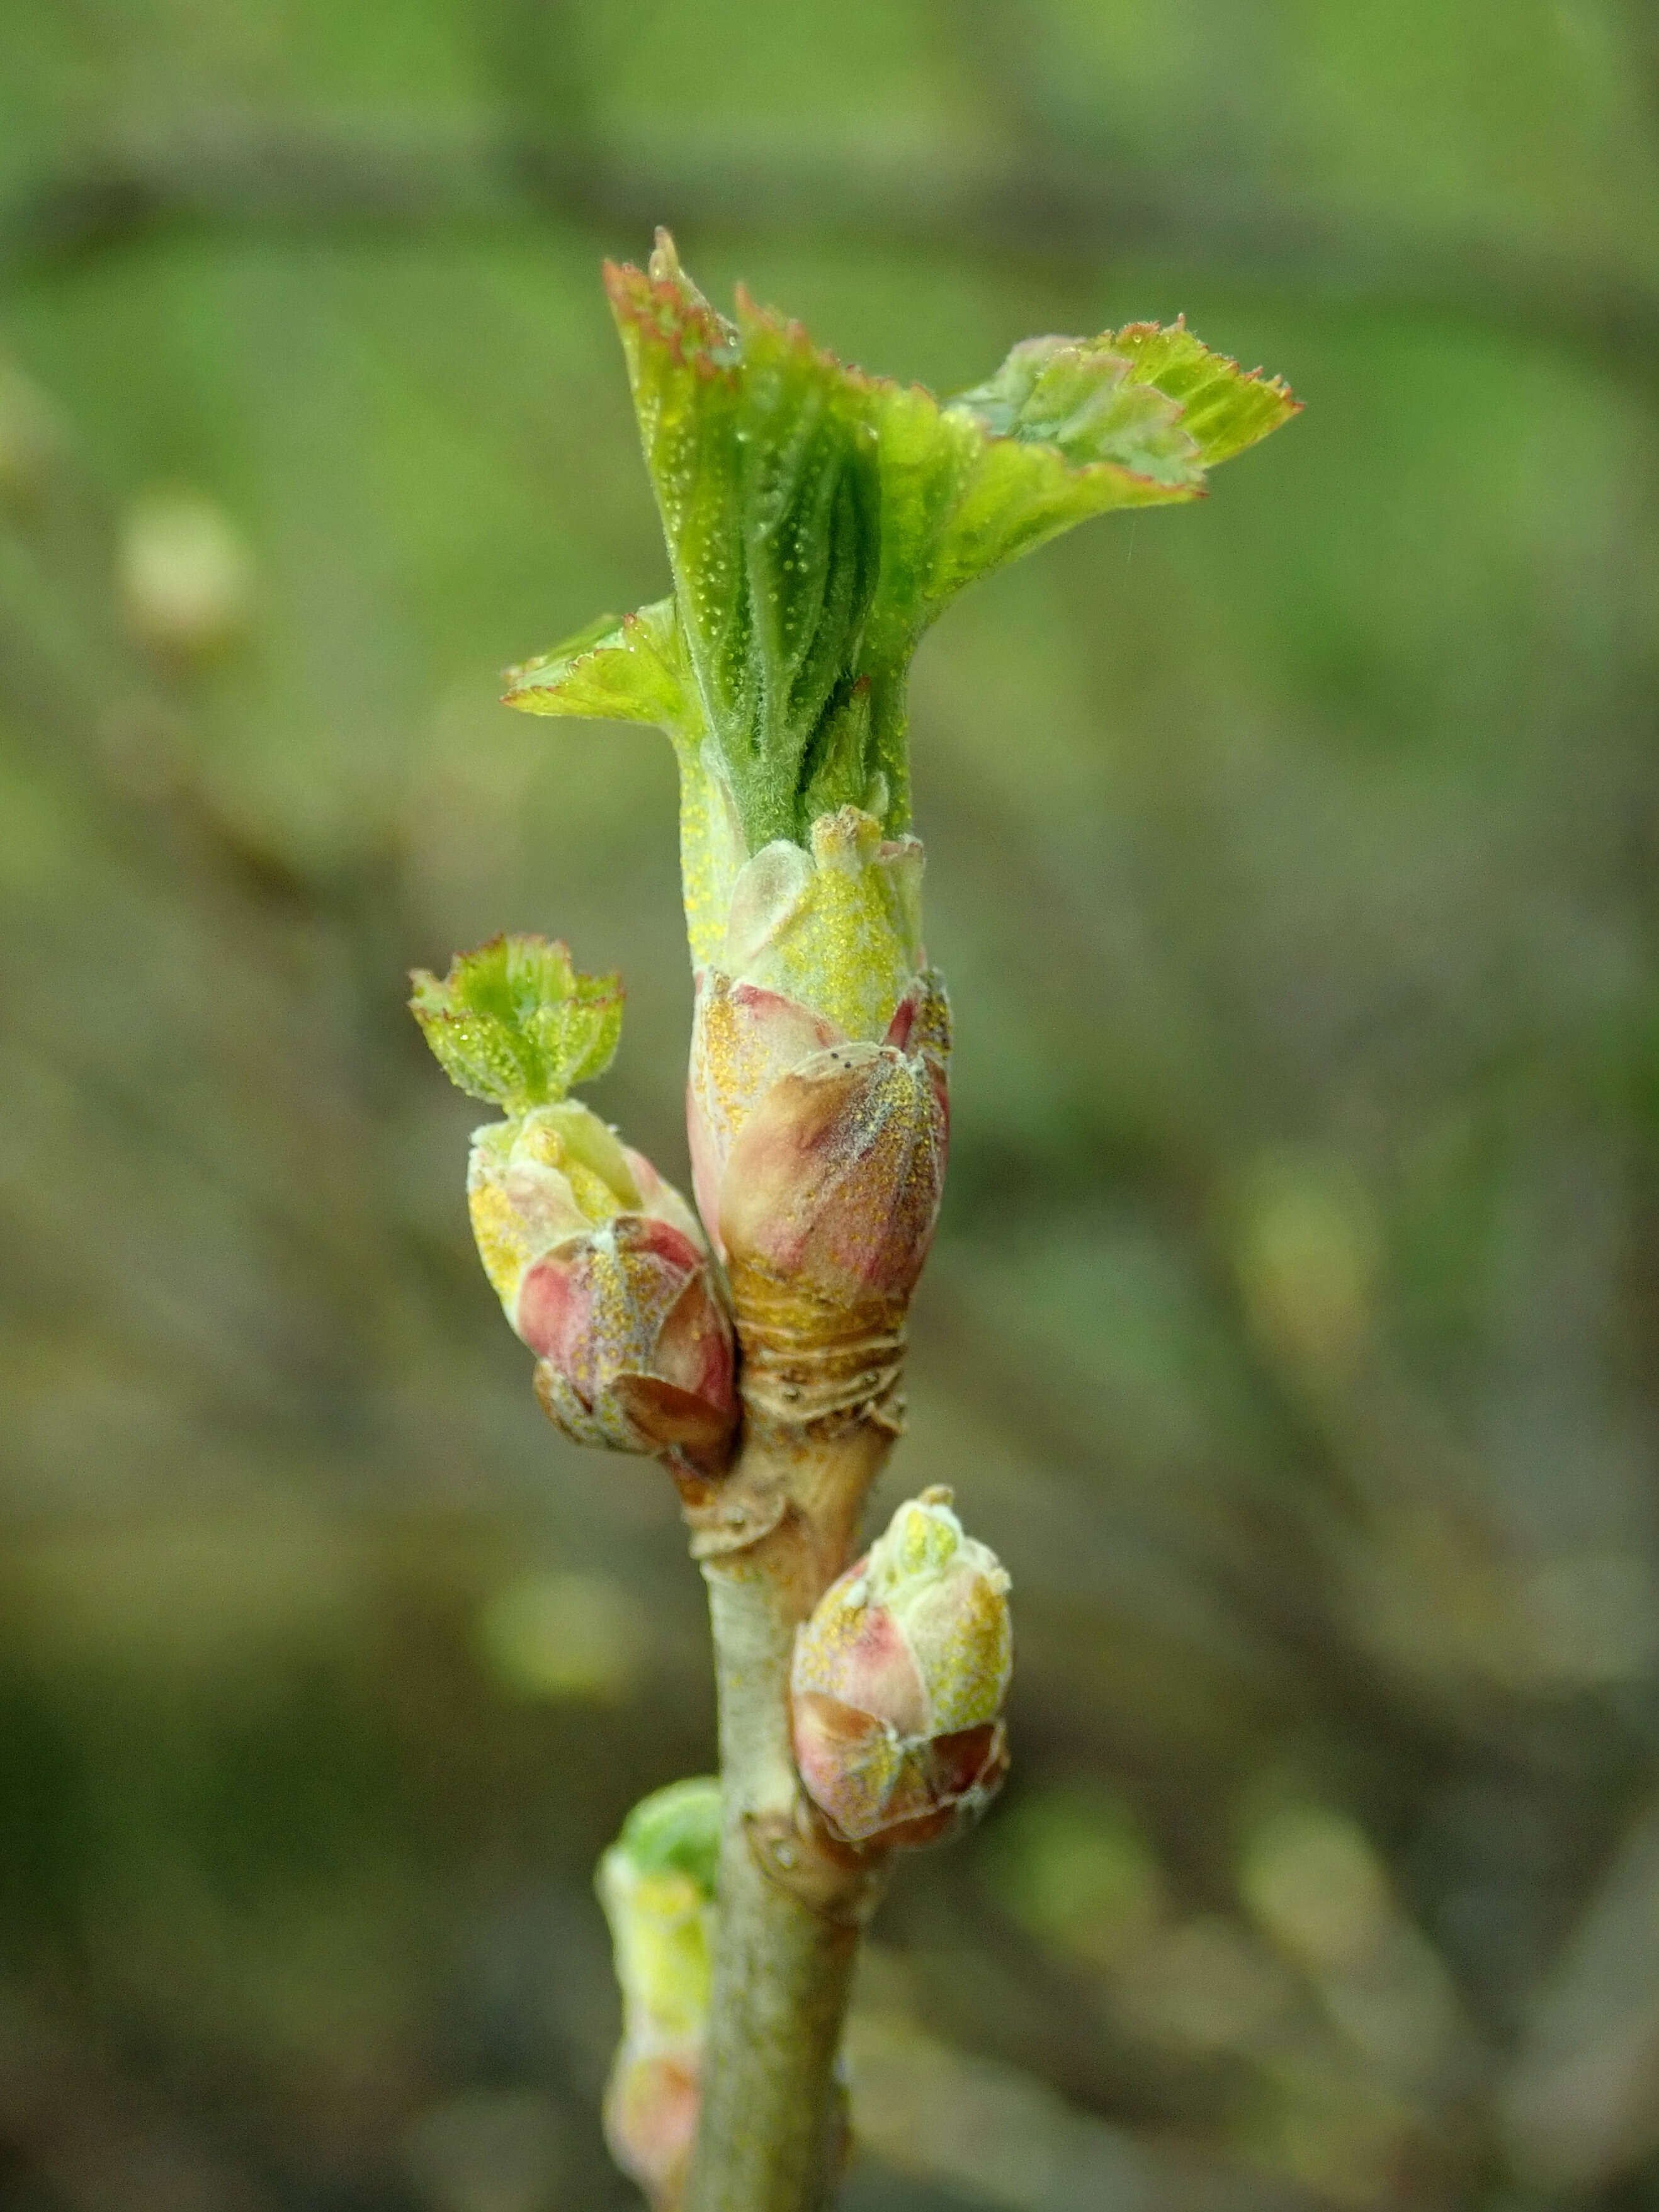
x=770 y=2132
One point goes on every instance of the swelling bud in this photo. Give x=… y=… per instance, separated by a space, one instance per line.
x=603 y=1272
x=656 y=1884
x=898 y=1680
x=818 y=1116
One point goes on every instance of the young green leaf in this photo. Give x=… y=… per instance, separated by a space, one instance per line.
x=1079 y=396
x=516 y=1024
x=818 y=519
x=631 y=671
x=1066 y=429
x=1223 y=408
x=763 y=459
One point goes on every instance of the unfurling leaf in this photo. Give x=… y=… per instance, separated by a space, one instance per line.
x=516 y=1024
x=762 y=459
x=818 y=519
x=630 y=670
x=1154 y=400
x=1224 y=408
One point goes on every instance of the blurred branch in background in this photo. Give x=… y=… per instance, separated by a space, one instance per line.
x=1294 y=1328
x=230 y=175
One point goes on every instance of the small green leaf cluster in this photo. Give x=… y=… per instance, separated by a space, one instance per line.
x=818 y=520
x=516 y=1024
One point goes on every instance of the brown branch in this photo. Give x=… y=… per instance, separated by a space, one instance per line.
x=302 y=177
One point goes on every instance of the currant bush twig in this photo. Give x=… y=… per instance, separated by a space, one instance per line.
x=817 y=521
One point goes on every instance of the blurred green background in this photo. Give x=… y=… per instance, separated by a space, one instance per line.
x=1294 y=1328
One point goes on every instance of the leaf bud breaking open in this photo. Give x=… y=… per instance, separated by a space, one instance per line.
x=600 y=1265
x=817 y=522
x=602 y=1270
x=656 y=1884
x=898 y=1681
x=515 y=1022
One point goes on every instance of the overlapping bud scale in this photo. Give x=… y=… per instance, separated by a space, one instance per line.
x=825 y=1165
x=898 y=1681
x=817 y=1106
x=602 y=1270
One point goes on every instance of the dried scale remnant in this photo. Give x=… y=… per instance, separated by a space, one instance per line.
x=817 y=521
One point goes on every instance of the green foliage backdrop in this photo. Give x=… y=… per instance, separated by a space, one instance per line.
x=1294 y=860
